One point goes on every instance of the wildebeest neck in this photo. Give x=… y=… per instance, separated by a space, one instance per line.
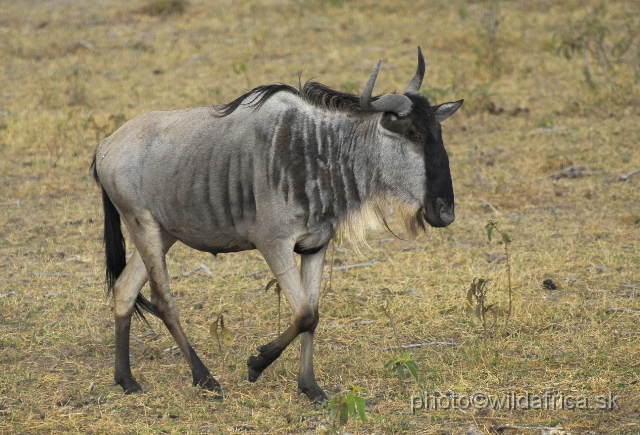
x=322 y=162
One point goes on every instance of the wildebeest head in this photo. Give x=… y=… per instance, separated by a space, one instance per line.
x=416 y=162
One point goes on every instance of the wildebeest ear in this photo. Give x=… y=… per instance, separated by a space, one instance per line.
x=445 y=110
x=391 y=121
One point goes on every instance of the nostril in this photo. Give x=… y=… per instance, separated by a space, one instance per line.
x=447 y=216
x=445 y=211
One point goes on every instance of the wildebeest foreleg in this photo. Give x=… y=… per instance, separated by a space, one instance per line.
x=311 y=272
x=152 y=242
x=282 y=262
x=125 y=292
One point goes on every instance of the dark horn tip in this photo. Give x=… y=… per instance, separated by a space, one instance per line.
x=416 y=81
x=421 y=62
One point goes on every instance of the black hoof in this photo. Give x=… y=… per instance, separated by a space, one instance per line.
x=313 y=392
x=129 y=385
x=213 y=386
x=258 y=363
x=254 y=374
x=267 y=354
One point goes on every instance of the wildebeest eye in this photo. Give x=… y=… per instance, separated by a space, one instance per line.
x=415 y=137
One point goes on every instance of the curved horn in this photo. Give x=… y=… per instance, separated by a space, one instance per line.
x=396 y=103
x=416 y=81
x=365 y=98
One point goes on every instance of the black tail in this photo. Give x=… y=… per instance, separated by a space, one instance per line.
x=115 y=250
x=114 y=243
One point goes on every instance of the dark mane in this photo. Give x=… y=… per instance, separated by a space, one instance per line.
x=314 y=93
x=260 y=95
x=324 y=97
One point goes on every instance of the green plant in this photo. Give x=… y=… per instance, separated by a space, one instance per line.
x=224 y=331
x=506 y=240
x=478 y=292
x=276 y=287
x=345 y=404
x=604 y=39
x=338 y=237
x=386 y=308
x=403 y=364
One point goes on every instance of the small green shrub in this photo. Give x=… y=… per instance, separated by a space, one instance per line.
x=478 y=293
x=226 y=334
x=506 y=240
x=403 y=364
x=605 y=43
x=345 y=404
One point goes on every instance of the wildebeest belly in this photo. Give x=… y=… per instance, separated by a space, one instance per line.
x=218 y=245
x=208 y=226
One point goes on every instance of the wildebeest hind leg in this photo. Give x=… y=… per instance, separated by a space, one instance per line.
x=125 y=292
x=152 y=242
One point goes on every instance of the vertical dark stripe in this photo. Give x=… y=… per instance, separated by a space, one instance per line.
x=250 y=199
x=239 y=193
x=207 y=180
x=349 y=180
x=310 y=147
x=222 y=190
x=296 y=170
x=228 y=193
x=337 y=184
x=280 y=156
x=324 y=135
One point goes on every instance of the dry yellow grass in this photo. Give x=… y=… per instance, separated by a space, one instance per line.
x=71 y=71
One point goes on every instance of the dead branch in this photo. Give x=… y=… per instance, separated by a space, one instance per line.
x=12 y=203
x=622 y=310
x=352 y=266
x=202 y=267
x=52 y=274
x=625 y=177
x=488 y=204
x=559 y=430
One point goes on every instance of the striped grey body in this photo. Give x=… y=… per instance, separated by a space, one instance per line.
x=278 y=170
x=223 y=184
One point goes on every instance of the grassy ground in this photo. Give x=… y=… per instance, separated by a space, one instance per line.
x=72 y=71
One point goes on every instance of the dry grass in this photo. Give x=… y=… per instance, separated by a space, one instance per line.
x=71 y=72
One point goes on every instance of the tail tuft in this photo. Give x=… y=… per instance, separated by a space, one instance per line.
x=143 y=304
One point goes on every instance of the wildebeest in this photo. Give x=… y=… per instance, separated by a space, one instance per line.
x=279 y=170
